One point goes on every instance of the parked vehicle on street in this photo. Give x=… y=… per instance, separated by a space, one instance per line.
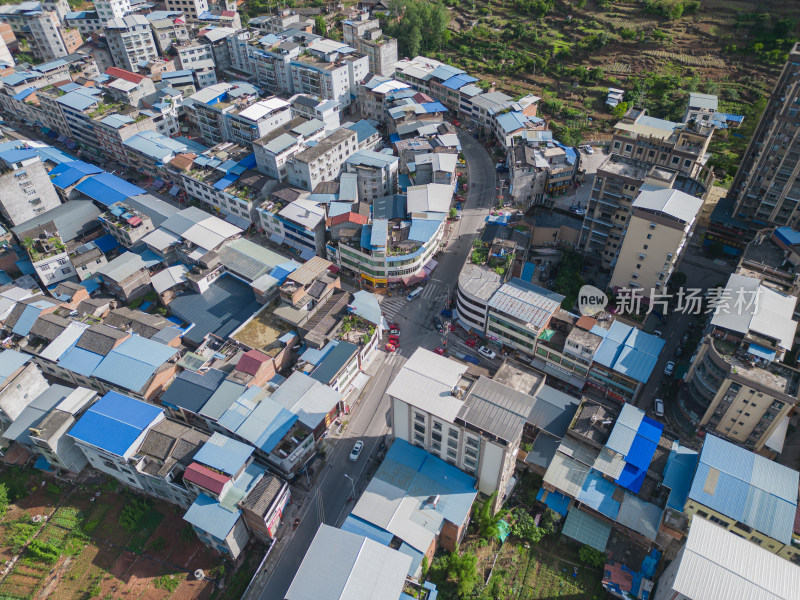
x=437 y=323
x=467 y=358
x=577 y=210
x=414 y=294
x=356 y=451
x=659 y=407
x=440 y=351
x=472 y=342
x=393 y=339
x=588 y=149
x=487 y=352
x=390 y=347
x=669 y=368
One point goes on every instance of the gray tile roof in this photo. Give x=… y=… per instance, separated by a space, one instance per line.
x=100 y=339
x=49 y=326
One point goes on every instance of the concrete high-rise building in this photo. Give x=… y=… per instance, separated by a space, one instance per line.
x=739 y=386
x=27 y=190
x=660 y=224
x=130 y=40
x=112 y=9
x=46 y=36
x=193 y=8
x=365 y=35
x=767 y=186
x=644 y=150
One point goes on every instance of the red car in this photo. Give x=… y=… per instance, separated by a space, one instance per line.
x=456 y=123
x=393 y=339
x=452 y=327
x=439 y=351
x=390 y=347
x=472 y=342
x=394 y=325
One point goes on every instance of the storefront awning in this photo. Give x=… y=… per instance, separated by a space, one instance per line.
x=430 y=266
x=275 y=238
x=414 y=279
x=173 y=191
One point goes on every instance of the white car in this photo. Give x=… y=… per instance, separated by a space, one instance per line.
x=669 y=368
x=356 y=451
x=577 y=210
x=588 y=149
x=659 y=407
x=487 y=352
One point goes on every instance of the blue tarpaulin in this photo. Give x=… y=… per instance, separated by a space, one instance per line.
x=761 y=352
x=554 y=500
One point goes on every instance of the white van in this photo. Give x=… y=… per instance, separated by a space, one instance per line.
x=414 y=294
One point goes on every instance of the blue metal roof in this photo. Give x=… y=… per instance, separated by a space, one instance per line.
x=598 y=492
x=108 y=189
x=366 y=235
x=29 y=315
x=133 y=363
x=629 y=351
x=368 y=530
x=10 y=361
x=79 y=100
x=434 y=107
x=264 y=425
x=68 y=173
x=314 y=356
x=80 y=361
x=339 y=208
x=24 y=93
x=224 y=454
x=114 y=423
x=106 y=243
x=207 y=515
x=678 y=474
x=459 y=81
x=370 y=158
x=749 y=488
x=422 y=230
x=445 y=72
x=787 y=235
x=511 y=121
x=554 y=500
x=364 y=129
x=379 y=233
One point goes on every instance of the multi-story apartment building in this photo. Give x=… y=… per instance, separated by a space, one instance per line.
x=299 y=224
x=365 y=35
x=84 y=21
x=192 y=8
x=298 y=63
x=518 y=313
x=112 y=9
x=235 y=191
x=274 y=150
x=285 y=19
x=472 y=423
x=643 y=150
x=198 y=58
x=767 y=185
x=659 y=227
x=126 y=224
x=130 y=41
x=738 y=385
x=169 y=32
x=375 y=95
x=27 y=190
x=322 y=162
x=476 y=286
x=311 y=107
x=48 y=253
x=246 y=125
x=376 y=172
x=48 y=43
x=113 y=130
x=701 y=107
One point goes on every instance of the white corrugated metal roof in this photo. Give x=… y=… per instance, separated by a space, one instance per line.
x=263 y=108
x=427 y=381
x=671 y=202
x=64 y=341
x=340 y=565
x=747 y=305
x=717 y=565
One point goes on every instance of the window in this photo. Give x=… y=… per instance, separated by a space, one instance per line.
x=418 y=439
x=436 y=436
x=419 y=428
x=436 y=446
x=452 y=443
x=718 y=521
x=418 y=417
x=437 y=426
x=451 y=453
x=474 y=442
x=702 y=513
x=453 y=433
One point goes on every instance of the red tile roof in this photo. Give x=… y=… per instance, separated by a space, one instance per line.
x=228 y=13
x=205 y=477
x=123 y=74
x=586 y=323
x=251 y=361
x=350 y=217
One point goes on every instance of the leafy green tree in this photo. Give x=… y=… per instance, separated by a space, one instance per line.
x=462 y=569
x=592 y=557
x=320 y=26
x=488 y=522
x=3 y=500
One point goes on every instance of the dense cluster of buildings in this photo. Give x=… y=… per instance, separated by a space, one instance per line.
x=182 y=330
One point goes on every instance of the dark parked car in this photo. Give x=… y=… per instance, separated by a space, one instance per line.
x=437 y=323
